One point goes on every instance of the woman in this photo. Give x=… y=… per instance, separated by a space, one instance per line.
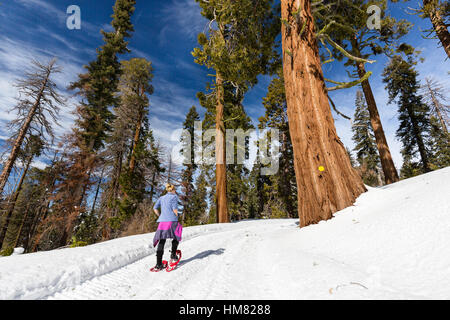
x=168 y=227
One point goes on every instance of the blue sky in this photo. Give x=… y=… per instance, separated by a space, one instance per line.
x=165 y=33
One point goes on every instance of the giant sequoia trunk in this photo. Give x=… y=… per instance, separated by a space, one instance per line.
x=221 y=173
x=311 y=124
x=439 y=26
x=389 y=170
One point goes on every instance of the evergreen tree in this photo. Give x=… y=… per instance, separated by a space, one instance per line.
x=33 y=148
x=440 y=145
x=97 y=88
x=187 y=176
x=25 y=209
x=365 y=146
x=99 y=84
x=234 y=118
x=239 y=49
x=283 y=182
x=134 y=87
x=257 y=196
x=198 y=204
x=414 y=115
x=350 y=155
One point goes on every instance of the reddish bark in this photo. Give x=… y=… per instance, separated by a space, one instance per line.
x=312 y=130
x=221 y=175
x=439 y=26
x=389 y=170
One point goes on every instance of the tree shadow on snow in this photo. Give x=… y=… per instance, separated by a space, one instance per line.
x=202 y=255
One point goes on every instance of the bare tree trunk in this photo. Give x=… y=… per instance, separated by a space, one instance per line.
x=387 y=163
x=436 y=104
x=22 y=133
x=221 y=173
x=13 y=203
x=439 y=26
x=312 y=130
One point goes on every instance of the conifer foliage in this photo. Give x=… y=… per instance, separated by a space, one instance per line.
x=365 y=146
x=414 y=115
x=238 y=49
x=280 y=197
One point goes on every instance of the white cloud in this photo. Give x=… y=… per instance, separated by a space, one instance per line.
x=184 y=17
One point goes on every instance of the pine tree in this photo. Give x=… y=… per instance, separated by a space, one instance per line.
x=365 y=146
x=187 y=176
x=283 y=182
x=352 y=159
x=401 y=82
x=257 y=196
x=97 y=89
x=239 y=49
x=198 y=204
x=33 y=148
x=28 y=204
x=314 y=138
x=38 y=105
x=134 y=87
x=99 y=84
x=440 y=145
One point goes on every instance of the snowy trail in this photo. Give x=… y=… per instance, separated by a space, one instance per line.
x=392 y=244
x=206 y=271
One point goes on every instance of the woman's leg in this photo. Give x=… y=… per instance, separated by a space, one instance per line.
x=174 y=248
x=160 y=251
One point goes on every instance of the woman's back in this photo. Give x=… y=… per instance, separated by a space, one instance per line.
x=167 y=203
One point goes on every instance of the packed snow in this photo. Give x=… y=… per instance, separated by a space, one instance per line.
x=392 y=244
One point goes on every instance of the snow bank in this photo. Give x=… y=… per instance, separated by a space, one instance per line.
x=37 y=275
x=397 y=237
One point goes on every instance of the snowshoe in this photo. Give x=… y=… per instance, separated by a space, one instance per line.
x=174 y=262
x=159 y=268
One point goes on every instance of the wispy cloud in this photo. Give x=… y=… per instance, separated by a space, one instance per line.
x=181 y=17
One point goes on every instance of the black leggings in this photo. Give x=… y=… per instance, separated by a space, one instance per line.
x=160 y=249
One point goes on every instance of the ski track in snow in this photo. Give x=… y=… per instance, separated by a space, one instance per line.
x=392 y=244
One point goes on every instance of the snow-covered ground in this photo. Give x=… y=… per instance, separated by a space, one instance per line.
x=392 y=244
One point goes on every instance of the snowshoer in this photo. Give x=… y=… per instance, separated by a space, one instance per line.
x=168 y=227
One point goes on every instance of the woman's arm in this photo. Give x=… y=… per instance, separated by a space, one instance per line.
x=157 y=205
x=174 y=203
